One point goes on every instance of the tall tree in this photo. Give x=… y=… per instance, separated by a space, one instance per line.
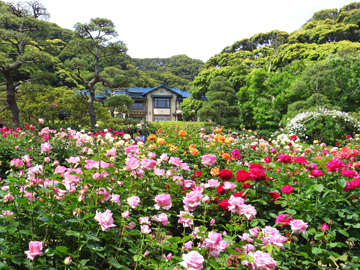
x=96 y=38
x=222 y=102
x=19 y=47
x=119 y=104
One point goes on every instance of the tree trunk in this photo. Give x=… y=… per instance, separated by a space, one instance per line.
x=90 y=106
x=10 y=95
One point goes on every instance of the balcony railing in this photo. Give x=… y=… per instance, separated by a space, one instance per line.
x=138 y=110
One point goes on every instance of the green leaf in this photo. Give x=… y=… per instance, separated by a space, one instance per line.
x=342 y=182
x=343 y=233
x=62 y=249
x=315 y=250
x=114 y=263
x=319 y=187
x=213 y=263
x=174 y=240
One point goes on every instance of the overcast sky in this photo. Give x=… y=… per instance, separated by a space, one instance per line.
x=197 y=28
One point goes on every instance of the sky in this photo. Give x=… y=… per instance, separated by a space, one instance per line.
x=198 y=28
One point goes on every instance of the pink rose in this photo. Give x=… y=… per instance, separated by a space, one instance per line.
x=151 y=155
x=213 y=183
x=110 y=153
x=192 y=261
x=144 y=220
x=235 y=153
x=46 y=147
x=284 y=218
x=115 y=198
x=188 y=245
x=185 y=221
x=145 y=229
x=184 y=167
x=287 y=189
x=41 y=121
x=163 y=218
x=133 y=201
x=132 y=225
x=105 y=220
x=248 y=211
x=208 y=160
x=175 y=161
x=254 y=232
x=324 y=227
x=126 y=214
x=298 y=225
x=262 y=260
x=164 y=157
x=229 y=186
x=132 y=164
x=16 y=162
x=148 y=164
x=131 y=149
x=159 y=172
x=192 y=200
x=163 y=201
x=35 y=248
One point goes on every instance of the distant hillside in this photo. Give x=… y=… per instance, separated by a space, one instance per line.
x=276 y=74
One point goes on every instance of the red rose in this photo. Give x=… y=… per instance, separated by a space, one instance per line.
x=225 y=174
x=287 y=189
x=316 y=173
x=293 y=137
x=257 y=174
x=224 y=205
x=348 y=173
x=286 y=159
x=255 y=165
x=242 y=176
x=301 y=160
x=197 y=174
x=274 y=195
x=240 y=194
x=246 y=185
x=220 y=189
x=215 y=200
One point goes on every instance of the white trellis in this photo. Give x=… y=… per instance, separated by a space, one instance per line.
x=297 y=124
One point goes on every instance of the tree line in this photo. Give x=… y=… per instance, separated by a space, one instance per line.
x=40 y=62
x=276 y=75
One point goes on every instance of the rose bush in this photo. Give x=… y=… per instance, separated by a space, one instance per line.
x=185 y=199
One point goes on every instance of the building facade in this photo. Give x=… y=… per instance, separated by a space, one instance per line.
x=161 y=103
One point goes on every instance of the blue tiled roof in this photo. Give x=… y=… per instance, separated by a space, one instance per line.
x=88 y=93
x=139 y=92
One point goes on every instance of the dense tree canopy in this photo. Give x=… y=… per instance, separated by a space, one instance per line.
x=278 y=74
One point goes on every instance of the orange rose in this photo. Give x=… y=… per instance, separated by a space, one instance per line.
x=226 y=156
x=161 y=141
x=182 y=133
x=215 y=171
x=195 y=166
x=194 y=151
x=152 y=137
x=152 y=146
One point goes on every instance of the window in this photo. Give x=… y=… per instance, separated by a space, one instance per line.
x=137 y=105
x=137 y=118
x=162 y=102
x=161 y=118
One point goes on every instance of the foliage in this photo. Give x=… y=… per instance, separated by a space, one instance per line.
x=119 y=103
x=221 y=106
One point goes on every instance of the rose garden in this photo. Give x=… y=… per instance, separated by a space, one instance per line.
x=187 y=198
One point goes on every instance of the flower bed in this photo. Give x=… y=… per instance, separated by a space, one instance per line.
x=184 y=199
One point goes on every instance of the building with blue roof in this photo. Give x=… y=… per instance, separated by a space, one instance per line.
x=160 y=103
